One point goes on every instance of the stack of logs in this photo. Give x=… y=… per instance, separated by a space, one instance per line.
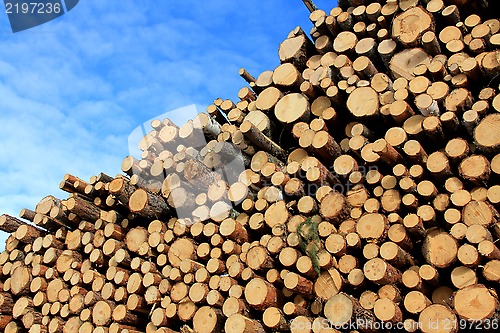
x=366 y=201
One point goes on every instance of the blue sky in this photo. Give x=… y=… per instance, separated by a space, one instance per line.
x=72 y=90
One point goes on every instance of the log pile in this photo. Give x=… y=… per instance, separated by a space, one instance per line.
x=354 y=188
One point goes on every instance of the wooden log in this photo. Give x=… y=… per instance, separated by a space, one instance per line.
x=238 y=323
x=396 y=255
x=182 y=248
x=84 y=209
x=260 y=140
x=260 y=294
x=210 y=127
x=6 y=303
x=334 y=207
x=135 y=238
x=486 y=307
x=27 y=214
x=372 y=227
x=296 y=50
x=298 y=283
x=159 y=317
x=387 y=153
x=9 y=224
x=246 y=76
x=387 y=311
x=380 y=272
x=478 y=212
x=439 y=249
x=292 y=108
x=27 y=234
x=274 y=318
x=342 y=309
x=422 y=121
x=148 y=205
x=258 y=258
x=490 y=270
x=21 y=307
x=363 y=102
x=233 y=229
x=46 y=204
x=287 y=76
x=440 y=315
x=402 y=64
x=123 y=316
